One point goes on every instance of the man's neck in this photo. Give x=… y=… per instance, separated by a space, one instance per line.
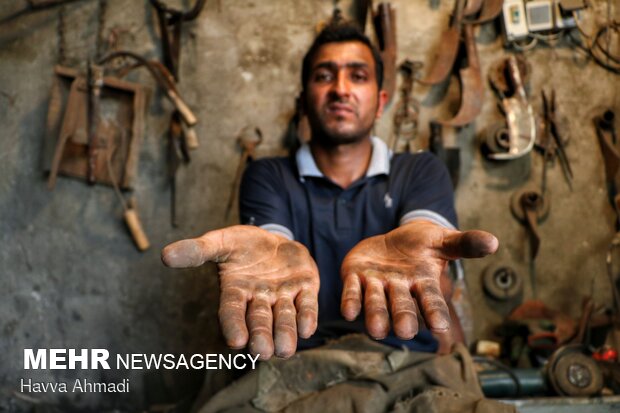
x=343 y=164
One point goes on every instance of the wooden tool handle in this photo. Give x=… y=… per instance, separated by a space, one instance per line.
x=135 y=228
x=186 y=112
x=191 y=139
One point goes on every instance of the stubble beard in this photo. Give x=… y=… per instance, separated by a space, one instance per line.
x=331 y=136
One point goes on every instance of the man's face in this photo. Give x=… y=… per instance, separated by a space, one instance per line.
x=342 y=98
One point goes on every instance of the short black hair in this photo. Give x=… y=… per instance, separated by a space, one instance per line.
x=340 y=32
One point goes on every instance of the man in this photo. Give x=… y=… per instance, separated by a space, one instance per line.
x=374 y=230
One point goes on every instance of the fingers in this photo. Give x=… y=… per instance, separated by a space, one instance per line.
x=375 y=310
x=260 y=321
x=403 y=311
x=195 y=251
x=469 y=244
x=233 y=303
x=285 y=338
x=351 y=303
x=307 y=303
x=432 y=303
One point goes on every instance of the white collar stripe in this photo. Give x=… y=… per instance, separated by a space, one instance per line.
x=379 y=160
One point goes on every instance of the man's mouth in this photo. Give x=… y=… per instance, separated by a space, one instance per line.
x=340 y=109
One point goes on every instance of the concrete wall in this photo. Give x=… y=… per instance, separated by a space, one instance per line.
x=70 y=276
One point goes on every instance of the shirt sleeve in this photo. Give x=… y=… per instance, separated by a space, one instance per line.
x=428 y=193
x=263 y=199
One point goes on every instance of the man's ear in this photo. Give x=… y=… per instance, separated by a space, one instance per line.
x=383 y=99
x=301 y=102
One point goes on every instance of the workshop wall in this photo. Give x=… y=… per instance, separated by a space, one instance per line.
x=70 y=274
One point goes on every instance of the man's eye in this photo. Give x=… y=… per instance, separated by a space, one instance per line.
x=322 y=77
x=359 y=76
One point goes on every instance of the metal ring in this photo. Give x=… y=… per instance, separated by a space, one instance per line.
x=502 y=283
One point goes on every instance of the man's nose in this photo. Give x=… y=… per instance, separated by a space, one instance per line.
x=341 y=85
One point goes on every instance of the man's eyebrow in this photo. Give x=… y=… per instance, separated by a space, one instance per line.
x=334 y=66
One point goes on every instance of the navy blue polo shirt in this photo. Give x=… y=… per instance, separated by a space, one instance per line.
x=290 y=196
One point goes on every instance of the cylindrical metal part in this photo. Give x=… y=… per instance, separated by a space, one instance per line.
x=512 y=382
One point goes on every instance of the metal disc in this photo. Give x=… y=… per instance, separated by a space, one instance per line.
x=502 y=283
x=517 y=210
x=576 y=374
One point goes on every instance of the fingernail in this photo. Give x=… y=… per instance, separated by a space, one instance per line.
x=260 y=345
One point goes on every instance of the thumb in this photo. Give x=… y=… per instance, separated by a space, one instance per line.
x=468 y=244
x=194 y=252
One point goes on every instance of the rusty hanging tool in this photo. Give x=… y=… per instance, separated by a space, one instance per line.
x=472 y=90
x=178 y=136
x=530 y=208
x=384 y=23
x=608 y=141
x=472 y=7
x=531 y=203
x=489 y=11
x=337 y=16
x=517 y=109
x=177 y=153
x=170 y=26
x=170 y=23
x=449 y=155
x=613 y=246
x=248 y=144
x=407 y=110
x=448 y=48
x=95 y=84
x=111 y=157
x=130 y=210
x=614 y=320
x=361 y=12
x=552 y=141
x=67 y=130
x=163 y=78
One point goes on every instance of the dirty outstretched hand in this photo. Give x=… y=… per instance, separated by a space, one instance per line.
x=271 y=279
x=403 y=265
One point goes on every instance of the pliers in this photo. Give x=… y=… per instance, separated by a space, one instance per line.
x=555 y=147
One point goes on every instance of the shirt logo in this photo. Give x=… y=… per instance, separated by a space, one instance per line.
x=387 y=200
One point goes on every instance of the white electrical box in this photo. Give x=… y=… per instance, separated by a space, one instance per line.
x=522 y=17
x=514 y=21
x=540 y=15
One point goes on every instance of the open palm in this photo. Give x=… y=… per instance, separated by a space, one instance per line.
x=401 y=268
x=269 y=286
